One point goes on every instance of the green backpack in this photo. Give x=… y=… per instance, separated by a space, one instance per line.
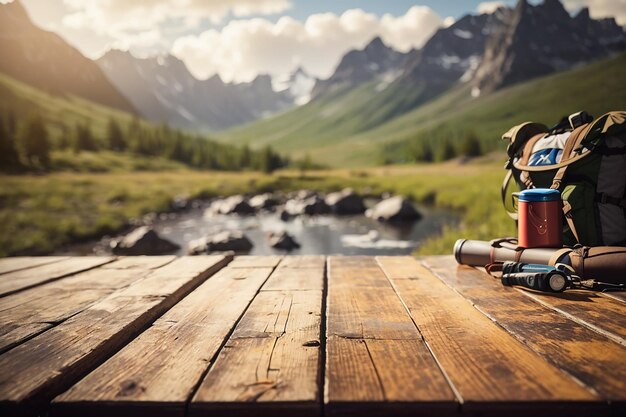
x=585 y=160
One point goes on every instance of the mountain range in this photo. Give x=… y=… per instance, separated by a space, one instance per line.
x=476 y=56
x=371 y=91
x=162 y=89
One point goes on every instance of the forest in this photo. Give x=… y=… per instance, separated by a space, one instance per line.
x=27 y=145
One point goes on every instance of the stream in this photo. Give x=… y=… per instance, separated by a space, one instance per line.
x=317 y=235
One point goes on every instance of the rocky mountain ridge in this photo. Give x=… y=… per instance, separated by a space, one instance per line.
x=44 y=60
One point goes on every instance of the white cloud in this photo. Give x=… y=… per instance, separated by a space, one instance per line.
x=116 y=18
x=489 y=6
x=448 y=21
x=600 y=8
x=245 y=48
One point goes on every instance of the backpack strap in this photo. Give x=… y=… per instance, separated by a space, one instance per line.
x=556 y=256
x=577 y=258
x=524 y=176
x=608 y=199
x=571 y=147
x=503 y=193
x=567 y=212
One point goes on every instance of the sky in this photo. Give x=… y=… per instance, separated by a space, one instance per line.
x=240 y=39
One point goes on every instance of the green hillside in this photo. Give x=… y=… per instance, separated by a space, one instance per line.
x=331 y=129
x=80 y=135
x=22 y=100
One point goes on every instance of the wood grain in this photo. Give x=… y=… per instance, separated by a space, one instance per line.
x=255 y=261
x=27 y=278
x=565 y=343
x=24 y=262
x=485 y=364
x=362 y=303
x=296 y=279
x=30 y=312
x=602 y=314
x=139 y=262
x=271 y=363
x=616 y=295
x=157 y=373
x=303 y=261
x=41 y=368
x=376 y=361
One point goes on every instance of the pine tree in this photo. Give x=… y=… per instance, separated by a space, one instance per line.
x=427 y=152
x=268 y=160
x=83 y=138
x=35 y=142
x=447 y=151
x=9 y=157
x=64 y=141
x=422 y=151
x=115 y=136
x=245 y=160
x=471 y=145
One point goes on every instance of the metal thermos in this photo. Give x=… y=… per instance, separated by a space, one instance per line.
x=540 y=222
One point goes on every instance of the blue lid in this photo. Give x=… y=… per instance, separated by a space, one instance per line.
x=539 y=194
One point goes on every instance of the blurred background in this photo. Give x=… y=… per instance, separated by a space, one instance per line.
x=282 y=126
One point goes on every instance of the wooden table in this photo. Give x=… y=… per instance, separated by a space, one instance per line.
x=299 y=336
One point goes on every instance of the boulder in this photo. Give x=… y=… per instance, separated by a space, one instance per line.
x=198 y=246
x=345 y=202
x=312 y=205
x=263 y=201
x=393 y=209
x=284 y=215
x=302 y=194
x=143 y=241
x=283 y=241
x=220 y=242
x=180 y=203
x=236 y=204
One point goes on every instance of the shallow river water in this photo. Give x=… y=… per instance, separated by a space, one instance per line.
x=317 y=235
x=322 y=234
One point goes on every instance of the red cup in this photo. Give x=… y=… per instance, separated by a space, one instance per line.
x=540 y=221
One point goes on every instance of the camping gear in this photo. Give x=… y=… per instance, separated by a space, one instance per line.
x=539 y=218
x=535 y=276
x=602 y=263
x=585 y=160
x=547 y=278
x=481 y=253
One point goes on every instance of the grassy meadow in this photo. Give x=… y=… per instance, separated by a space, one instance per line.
x=39 y=213
x=338 y=130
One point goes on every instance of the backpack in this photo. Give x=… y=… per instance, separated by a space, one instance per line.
x=585 y=160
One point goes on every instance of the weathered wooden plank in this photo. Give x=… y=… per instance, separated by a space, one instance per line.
x=156 y=373
x=30 y=312
x=271 y=363
x=255 y=261
x=603 y=314
x=384 y=378
x=565 y=343
x=294 y=279
x=362 y=303
x=616 y=295
x=139 y=262
x=485 y=364
x=28 y=278
x=24 y=262
x=303 y=261
x=41 y=368
x=376 y=361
